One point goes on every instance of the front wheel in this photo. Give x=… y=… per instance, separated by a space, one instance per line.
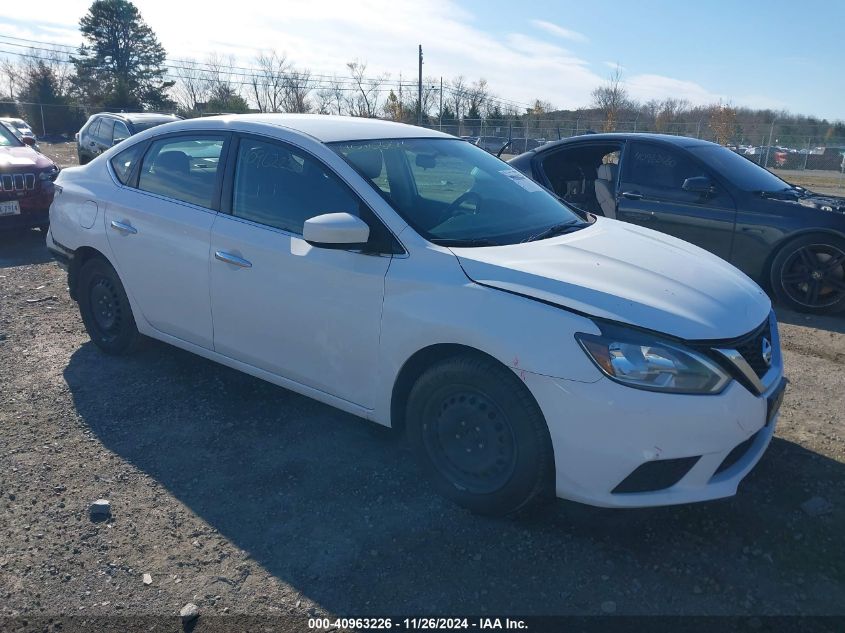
x=480 y=436
x=105 y=308
x=808 y=274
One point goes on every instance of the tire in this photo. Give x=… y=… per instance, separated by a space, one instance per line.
x=84 y=160
x=808 y=274
x=105 y=308
x=465 y=404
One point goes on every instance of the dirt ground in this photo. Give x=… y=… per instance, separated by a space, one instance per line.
x=245 y=498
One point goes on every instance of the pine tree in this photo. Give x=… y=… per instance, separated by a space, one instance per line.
x=121 y=64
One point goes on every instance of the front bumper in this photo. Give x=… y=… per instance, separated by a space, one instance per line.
x=34 y=206
x=602 y=432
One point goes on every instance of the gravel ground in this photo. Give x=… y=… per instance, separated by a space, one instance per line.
x=242 y=497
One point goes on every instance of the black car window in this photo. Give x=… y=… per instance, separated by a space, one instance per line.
x=93 y=128
x=121 y=132
x=281 y=186
x=104 y=134
x=660 y=171
x=183 y=167
x=123 y=162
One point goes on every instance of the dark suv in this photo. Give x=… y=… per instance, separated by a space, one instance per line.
x=26 y=183
x=106 y=129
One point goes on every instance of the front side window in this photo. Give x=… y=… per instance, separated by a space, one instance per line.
x=125 y=161
x=280 y=186
x=454 y=193
x=745 y=174
x=184 y=168
x=659 y=171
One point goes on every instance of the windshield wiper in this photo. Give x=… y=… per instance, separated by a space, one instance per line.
x=556 y=229
x=469 y=242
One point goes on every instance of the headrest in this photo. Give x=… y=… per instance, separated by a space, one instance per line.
x=367 y=161
x=606 y=171
x=173 y=161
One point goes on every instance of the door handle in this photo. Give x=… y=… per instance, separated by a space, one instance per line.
x=632 y=195
x=223 y=256
x=123 y=227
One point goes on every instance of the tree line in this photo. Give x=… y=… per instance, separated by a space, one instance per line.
x=121 y=65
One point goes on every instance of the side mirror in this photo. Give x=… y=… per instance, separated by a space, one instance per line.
x=336 y=230
x=28 y=140
x=699 y=184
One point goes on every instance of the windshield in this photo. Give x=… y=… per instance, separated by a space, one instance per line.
x=7 y=137
x=456 y=194
x=745 y=174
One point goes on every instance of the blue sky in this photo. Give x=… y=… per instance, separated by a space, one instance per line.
x=759 y=53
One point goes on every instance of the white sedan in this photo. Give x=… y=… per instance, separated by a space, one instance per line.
x=412 y=279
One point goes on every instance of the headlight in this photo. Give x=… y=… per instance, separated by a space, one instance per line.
x=50 y=174
x=645 y=361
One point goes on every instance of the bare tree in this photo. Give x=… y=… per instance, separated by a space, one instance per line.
x=191 y=87
x=297 y=88
x=611 y=98
x=268 y=83
x=364 y=100
x=458 y=97
x=11 y=76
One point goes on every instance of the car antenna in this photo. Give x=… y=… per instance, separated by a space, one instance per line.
x=510 y=140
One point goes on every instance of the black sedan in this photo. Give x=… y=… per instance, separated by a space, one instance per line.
x=789 y=239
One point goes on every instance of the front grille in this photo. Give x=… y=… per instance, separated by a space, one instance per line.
x=751 y=348
x=17 y=182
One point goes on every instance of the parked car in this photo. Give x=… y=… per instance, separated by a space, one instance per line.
x=410 y=278
x=20 y=127
x=26 y=183
x=107 y=129
x=787 y=238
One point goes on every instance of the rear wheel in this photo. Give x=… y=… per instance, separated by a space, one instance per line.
x=105 y=308
x=808 y=274
x=480 y=436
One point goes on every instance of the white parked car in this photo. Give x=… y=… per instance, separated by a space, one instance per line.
x=410 y=278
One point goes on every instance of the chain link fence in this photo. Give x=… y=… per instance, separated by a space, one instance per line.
x=788 y=146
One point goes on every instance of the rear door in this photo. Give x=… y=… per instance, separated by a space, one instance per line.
x=103 y=138
x=651 y=195
x=159 y=229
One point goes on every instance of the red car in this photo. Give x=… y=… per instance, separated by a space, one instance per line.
x=26 y=183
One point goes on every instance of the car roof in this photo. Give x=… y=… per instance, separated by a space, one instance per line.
x=323 y=127
x=680 y=141
x=140 y=117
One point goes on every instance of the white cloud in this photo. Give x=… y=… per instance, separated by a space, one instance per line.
x=559 y=31
x=385 y=33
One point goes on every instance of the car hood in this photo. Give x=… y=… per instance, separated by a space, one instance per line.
x=626 y=273
x=22 y=158
x=821 y=202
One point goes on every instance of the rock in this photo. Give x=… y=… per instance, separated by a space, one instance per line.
x=817 y=506
x=189 y=612
x=147 y=579
x=100 y=509
x=608 y=606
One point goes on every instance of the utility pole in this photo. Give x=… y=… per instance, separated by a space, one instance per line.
x=401 y=114
x=769 y=146
x=419 y=91
x=441 y=104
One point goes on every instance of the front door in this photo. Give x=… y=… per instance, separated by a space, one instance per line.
x=651 y=194
x=311 y=315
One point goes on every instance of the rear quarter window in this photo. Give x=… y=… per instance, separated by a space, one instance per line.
x=124 y=162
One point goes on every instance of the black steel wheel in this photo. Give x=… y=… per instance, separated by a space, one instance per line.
x=480 y=435
x=808 y=274
x=105 y=308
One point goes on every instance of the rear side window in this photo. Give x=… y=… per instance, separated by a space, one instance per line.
x=121 y=132
x=125 y=161
x=183 y=168
x=282 y=187
x=104 y=135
